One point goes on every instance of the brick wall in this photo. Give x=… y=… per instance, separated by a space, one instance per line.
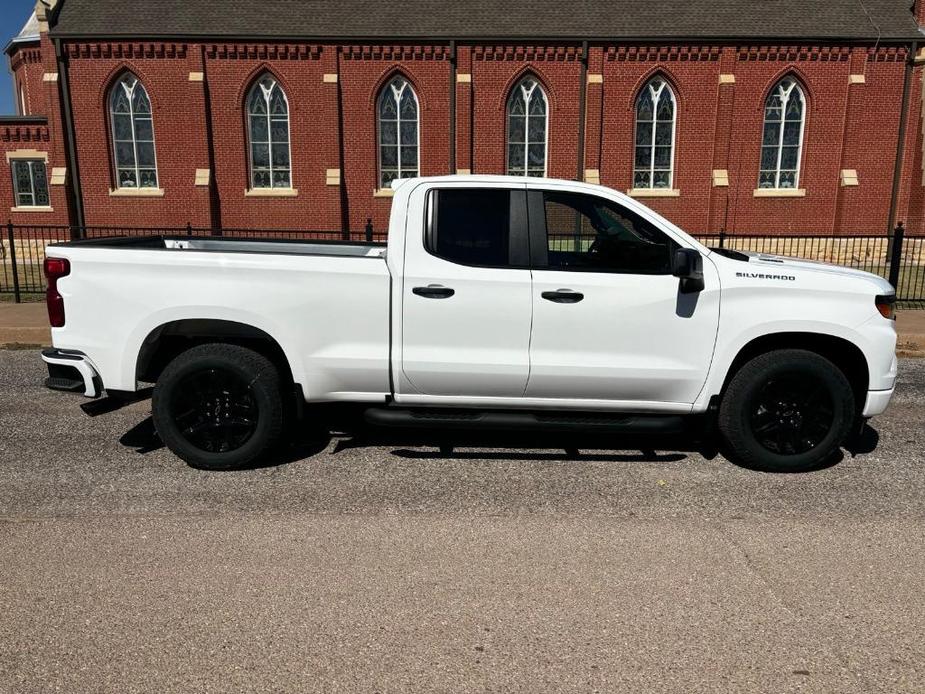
x=26 y=66
x=230 y=73
x=496 y=70
x=34 y=67
x=364 y=71
x=177 y=108
x=198 y=91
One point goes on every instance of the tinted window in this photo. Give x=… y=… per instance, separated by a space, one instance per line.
x=595 y=235
x=471 y=227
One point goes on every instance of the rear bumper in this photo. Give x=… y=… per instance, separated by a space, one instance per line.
x=71 y=372
x=877 y=401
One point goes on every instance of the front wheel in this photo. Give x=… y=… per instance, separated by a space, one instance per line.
x=786 y=411
x=218 y=406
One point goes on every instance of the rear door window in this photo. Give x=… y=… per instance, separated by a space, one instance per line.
x=480 y=227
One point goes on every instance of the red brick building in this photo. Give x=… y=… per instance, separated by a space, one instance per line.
x=739 y=115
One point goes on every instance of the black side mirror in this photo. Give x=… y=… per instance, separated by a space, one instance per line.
x=687 y=264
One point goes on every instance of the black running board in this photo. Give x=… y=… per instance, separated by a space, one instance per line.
x=524 y=421
x=64 y=384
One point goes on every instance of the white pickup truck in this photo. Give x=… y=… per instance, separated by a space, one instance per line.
x=498 y=303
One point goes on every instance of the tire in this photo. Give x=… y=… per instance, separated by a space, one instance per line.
x=786 y=411
x=219 y=406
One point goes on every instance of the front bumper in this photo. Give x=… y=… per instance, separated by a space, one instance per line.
x=877 y=401
x=71 y=372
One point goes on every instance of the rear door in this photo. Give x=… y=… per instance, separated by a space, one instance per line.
x=609 y=321
x=466 y=294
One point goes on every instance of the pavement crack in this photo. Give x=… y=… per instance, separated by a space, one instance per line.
x=794 y=608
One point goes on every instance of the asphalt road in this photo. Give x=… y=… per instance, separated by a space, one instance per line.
x=393 y=569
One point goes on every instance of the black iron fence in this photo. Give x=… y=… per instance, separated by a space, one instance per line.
x=22 y=248
x=899 y=257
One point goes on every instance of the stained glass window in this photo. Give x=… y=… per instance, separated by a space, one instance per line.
x=655 y=123
x=527 y=112
x=132 y=135
x=398 y=132
x=268 y=128
x=782 y=142
x=30 y=183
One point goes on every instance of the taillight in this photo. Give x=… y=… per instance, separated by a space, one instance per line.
x=886 y=304
x=55 y=269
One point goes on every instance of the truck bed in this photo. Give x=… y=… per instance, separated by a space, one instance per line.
x=327 y=304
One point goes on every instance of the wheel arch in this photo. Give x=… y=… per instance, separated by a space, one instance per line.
x=170 y=339
x=845 y=355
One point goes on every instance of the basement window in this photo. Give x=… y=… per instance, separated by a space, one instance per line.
x=30 y=183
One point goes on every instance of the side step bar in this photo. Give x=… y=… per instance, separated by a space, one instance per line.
x=524 y=421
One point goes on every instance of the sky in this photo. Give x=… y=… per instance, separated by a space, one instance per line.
x=13 y=14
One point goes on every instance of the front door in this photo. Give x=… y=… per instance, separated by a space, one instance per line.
x=466 y=301
x=609 y=322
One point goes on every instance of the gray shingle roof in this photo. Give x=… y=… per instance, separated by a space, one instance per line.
x=473 y=19
x=30 y=30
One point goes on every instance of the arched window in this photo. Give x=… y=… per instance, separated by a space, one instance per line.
x=784 y=117
x=655 y=122
x=23 y=111
x=527 y=131
x=268 y=132
x=132 y=134
x=398 y=132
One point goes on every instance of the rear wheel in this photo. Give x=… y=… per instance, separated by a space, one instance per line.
x=218 y=406
x=786 y=411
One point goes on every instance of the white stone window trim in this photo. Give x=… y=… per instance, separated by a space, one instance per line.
x=15 y=154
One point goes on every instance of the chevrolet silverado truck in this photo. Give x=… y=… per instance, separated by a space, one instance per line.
x=498 y=303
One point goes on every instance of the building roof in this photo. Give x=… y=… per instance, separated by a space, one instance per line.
x=29 y=31
x=860 y=20
x=28 y=34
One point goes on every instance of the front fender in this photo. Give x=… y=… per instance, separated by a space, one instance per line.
x=876 y=346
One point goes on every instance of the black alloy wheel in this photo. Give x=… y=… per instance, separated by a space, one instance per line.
x=792 y=413
x=215 y=410
x=219 y=406
x=788 y=410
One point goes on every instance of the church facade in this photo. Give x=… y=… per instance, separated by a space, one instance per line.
x=724 y=118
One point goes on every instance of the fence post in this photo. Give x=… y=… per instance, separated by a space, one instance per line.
x=369 y=230
x=189 y=229
x=896 y=254
x=722 y=238
x=12 y=241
